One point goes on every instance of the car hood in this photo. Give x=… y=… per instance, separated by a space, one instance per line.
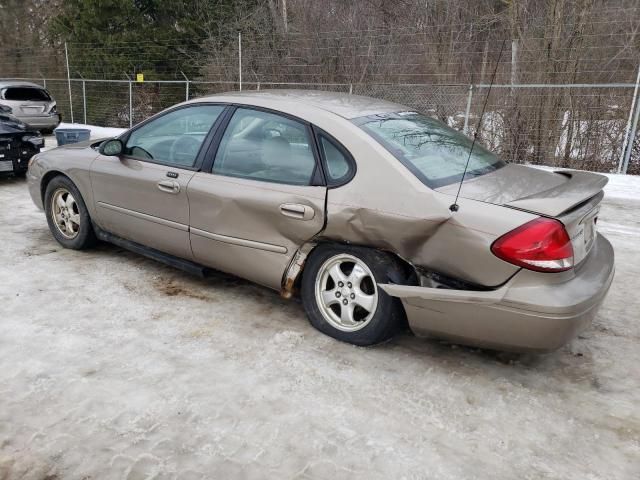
x=11 y=124
x=543 y=192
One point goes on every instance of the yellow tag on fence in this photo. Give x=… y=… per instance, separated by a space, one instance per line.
x=139 y=77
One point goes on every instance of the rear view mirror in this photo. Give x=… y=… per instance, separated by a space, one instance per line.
x=112 y=147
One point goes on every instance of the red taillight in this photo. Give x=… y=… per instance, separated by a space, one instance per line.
x=542 y=244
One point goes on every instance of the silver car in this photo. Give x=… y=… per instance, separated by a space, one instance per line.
x=350 y=202
x=31 y=103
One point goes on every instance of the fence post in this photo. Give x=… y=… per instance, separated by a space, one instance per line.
x=186 y=86
x=130 y=103
x=66 y=56
x=240 y=61
x=351 y=89
x=84 y=100
x=467 y=112
x=632 y=136
x=628 y=140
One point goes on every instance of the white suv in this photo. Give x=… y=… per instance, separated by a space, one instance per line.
x=31 y=103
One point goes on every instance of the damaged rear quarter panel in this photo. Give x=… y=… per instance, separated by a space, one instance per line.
x=461 y=248
x=385 y=206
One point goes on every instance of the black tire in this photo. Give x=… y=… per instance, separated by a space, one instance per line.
x=388 y=316
x=85 y=236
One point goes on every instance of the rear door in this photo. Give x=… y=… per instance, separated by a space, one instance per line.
x=263 y=197
x=142 y=195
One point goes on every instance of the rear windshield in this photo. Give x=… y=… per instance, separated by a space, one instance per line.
x=26 y=94
x=434 y=152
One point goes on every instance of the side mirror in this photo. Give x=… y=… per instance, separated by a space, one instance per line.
x=112 y=147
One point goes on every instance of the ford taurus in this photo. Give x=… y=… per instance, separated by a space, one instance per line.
x=348 y=201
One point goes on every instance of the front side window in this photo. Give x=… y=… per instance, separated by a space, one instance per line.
x=434 y=152
x=267 y=147
x=174 y=138
x=26 y=94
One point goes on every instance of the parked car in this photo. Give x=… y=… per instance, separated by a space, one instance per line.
x=31 y=103
x=346 y=200
x=18 y=144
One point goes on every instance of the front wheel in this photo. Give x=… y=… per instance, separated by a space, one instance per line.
x=341 y=296
x=67 y=214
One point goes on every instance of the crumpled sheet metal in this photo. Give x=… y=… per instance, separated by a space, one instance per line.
x=400 y=234
x=431 y=236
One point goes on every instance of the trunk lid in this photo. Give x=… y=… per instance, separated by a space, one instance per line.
x=33 y=108
x=538 y=191
x=571 y=196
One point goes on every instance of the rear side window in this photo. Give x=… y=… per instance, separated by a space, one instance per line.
x=26 y=94
x=264 y=146
x=339 y=167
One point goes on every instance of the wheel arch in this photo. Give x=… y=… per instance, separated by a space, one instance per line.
x=292 y=277
x=46 y=179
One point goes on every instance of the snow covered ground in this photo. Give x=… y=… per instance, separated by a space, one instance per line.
x=113 y=366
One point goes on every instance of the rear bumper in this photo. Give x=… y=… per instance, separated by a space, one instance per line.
x=42 y=121
x=531 y=312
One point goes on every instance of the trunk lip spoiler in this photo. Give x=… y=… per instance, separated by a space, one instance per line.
x=579 y=188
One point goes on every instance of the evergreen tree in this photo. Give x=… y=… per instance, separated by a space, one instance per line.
x=161 y=38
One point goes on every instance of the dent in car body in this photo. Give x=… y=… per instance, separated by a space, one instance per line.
x=533 y=311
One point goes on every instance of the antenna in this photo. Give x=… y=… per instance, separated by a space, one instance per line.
x=454 y=207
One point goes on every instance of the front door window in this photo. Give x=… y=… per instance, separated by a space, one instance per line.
x=174 y=138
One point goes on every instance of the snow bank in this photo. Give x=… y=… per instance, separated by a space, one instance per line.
x=622 y=186
x=619 y=186
x=96 y=132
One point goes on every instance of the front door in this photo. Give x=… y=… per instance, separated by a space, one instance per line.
x=142 y=195
x=261 y=201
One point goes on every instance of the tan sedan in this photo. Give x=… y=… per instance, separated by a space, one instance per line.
x=347 y=200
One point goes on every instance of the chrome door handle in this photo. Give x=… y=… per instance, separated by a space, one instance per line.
x=169 y=186
x=296 y=210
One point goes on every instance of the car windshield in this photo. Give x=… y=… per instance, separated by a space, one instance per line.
x=434 y=152
x=10 y=124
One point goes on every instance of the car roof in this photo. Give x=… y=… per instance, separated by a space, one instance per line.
x=344 y=104
x=18 y=83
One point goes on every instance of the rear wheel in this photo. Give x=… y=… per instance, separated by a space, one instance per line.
x=67 y=214
x=341 y=295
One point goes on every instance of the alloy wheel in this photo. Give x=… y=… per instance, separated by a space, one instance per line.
x=65 y=213
x=346 y=292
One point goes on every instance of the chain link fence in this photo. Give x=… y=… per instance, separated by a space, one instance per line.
x=568 y=126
